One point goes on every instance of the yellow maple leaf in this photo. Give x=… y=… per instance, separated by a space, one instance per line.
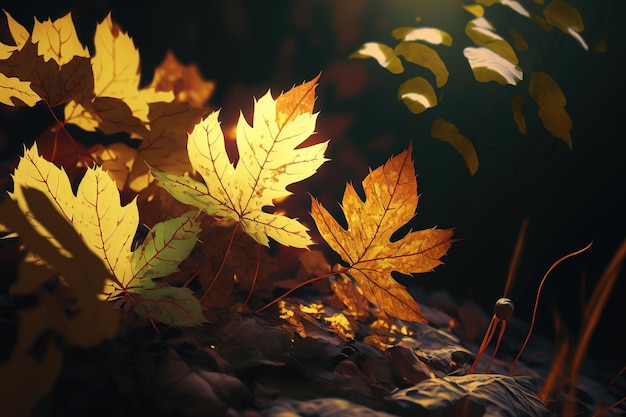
x=58 y=40
x=391 y=201
x=270 y=158
x=116 y=70
x=19 y=34
x=14 y=87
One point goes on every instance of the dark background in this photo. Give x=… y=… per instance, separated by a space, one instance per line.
x=569 y=197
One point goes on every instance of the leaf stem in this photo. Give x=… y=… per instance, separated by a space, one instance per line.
x=219 y=271
x=256 y=273
x=302 y=284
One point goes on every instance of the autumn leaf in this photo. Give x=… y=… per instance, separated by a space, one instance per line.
x=15 y=88
x=270 y=158
x=426 y=57
x=417 y=95
x=52 y=59
x=390 y=202
x=383 y=54
x=185 y=81
x=107 y=227
x=443 y=130
x=116 y=72
x=551 y=101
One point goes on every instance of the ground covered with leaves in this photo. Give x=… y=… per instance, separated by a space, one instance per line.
x=297 y=360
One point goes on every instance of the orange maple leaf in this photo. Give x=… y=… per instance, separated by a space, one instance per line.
x=391 y=201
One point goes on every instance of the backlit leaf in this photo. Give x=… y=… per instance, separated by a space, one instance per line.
x=482 y=33
x=105 y=226
x=167 y=243
x=184 y=81
x=417 y=95
x=270 y=158
x=426 y=57
x=489 y=66
x=15 y=88
x=514 y=5
x=551 y=101
x=383 y=54
x=19 y=34
x=116 y=70
x=566 y=18
x=58 y=40
x=366 y=246
x=433 y=36
x=117 y=160
x=448 y=132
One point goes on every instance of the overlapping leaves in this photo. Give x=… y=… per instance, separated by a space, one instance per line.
x=270 y=158
x=108 y=229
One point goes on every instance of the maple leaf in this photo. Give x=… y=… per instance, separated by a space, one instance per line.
x=52 y=59
x=107 y=227
x=185 y=81
x=116 y=71
x=391 y=201
x=270 y=158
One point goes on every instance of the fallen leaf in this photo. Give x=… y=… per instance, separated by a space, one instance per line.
x=391 y=201
x=443 y=130
x=551 y=101
x=270 y=158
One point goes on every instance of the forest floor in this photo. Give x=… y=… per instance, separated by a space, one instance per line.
x=317 y=356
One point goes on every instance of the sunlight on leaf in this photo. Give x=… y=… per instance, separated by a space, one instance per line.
x=185 y=81
x=417 y=95
x=518 y=116
x=482 y=32
x=165 y=246
x=19 y=34
x=116 y=69
x=58 y=40
x=551 y=101
x=116 y=159
x=566 y=18
x=382 y=53
x=426 y=57
x=340 y=324
x=270 y=158
x=15 y=88
x=431 y=35
x=489 y=66
x=475 y=9
x=514 y=5
x=366 y=246
x=448 y=132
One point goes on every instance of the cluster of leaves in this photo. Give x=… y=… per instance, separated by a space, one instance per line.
x=82 y=246
x=491 y=58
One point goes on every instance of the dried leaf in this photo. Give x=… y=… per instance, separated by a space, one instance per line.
x=417 y=95
x=426 y=57
x=383 y=54
x=551 y=101
x=443 y=130
x=270 y=158
x=391 y=201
